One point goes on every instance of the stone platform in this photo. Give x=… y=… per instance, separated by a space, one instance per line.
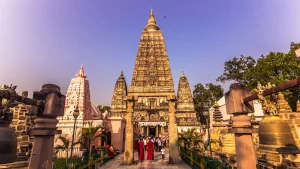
x=158 y=163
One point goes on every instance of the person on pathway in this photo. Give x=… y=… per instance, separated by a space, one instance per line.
x=145 y=144
x=156 y=145
x=150 y=149
x=141 y=150
x=159 y=145
x=136 y=145
x=110 y=152
x=163 y=153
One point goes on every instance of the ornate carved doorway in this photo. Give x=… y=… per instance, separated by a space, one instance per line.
x=152 y=131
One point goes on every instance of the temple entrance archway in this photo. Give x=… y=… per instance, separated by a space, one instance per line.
x=152 y=131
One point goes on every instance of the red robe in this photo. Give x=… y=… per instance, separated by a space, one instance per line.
x=141 y=151
x=109 y=152
x=150 y=147
x=136 y=145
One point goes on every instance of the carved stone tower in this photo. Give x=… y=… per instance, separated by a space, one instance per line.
x=78 y=94
x=118 y=104
x=152 y=82
x=148 y=97
x=152 y=72
x=185 y=113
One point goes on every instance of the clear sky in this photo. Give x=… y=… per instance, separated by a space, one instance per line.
x=46 y=41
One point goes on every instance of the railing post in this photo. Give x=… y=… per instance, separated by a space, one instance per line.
x=242 y=128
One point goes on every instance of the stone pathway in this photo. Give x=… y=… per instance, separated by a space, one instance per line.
x=158 y=163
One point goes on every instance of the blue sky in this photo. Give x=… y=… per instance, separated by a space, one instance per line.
x=46 y=41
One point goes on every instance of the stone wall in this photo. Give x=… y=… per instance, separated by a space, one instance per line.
x=22 y=122
x=293 y=119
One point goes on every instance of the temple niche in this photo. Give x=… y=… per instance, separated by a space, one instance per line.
x=78 y=95
x=151 y=87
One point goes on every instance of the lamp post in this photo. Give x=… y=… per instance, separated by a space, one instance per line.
x=206 y=115
x=75 y=114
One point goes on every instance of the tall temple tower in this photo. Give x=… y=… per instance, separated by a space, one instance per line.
x=151 y=85
x=185 y=113
x=118 y=104
x=152 y=81
x=78 y=94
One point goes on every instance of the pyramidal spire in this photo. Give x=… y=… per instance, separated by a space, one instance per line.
x=81 y=73
x=151 y=25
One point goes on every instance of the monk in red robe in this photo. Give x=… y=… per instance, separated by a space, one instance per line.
x=150 y=147
x=136 y=145
x=141 y=150
x=110 y=152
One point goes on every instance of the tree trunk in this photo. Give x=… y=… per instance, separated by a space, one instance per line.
x=67 y=157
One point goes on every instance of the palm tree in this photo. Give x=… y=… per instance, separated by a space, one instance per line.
x=88 y=135
x=64 y=146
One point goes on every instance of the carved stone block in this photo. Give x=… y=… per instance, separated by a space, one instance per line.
x=233 y=99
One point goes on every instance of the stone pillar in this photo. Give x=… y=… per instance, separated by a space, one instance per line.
x=43 y=143
x=173 y=135
x=241 y=127
x=129 y=153
x=156 y=131
x=147 y=131
x=45 y=126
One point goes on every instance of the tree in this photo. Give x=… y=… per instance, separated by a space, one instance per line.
x=276 y=68
x=203 y=94
x=88 y=135
x=103 y=108
x=234 y=70
x=63 y=147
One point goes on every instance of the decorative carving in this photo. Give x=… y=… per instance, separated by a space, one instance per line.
x=164 y=124
x=269 y=106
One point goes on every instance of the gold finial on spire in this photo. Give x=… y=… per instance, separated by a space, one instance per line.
x=182 y=74
x=121 y=73
x=216 y=104
x=252 y=117
x=151 y=25
x=151 y=12
x=81 y=72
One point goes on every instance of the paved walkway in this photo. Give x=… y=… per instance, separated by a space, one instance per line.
x=158 y=163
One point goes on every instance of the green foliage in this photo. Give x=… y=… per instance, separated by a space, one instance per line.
x=103 y=108
x=64 y=146
x=234 y=70
x=201 y=162
x=65 y=143
x=191 y=141
x=203 y=94
x=276 y=68
x=88 y=135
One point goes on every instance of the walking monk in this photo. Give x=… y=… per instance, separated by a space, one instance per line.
x=141 y=150
x=150 y=147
